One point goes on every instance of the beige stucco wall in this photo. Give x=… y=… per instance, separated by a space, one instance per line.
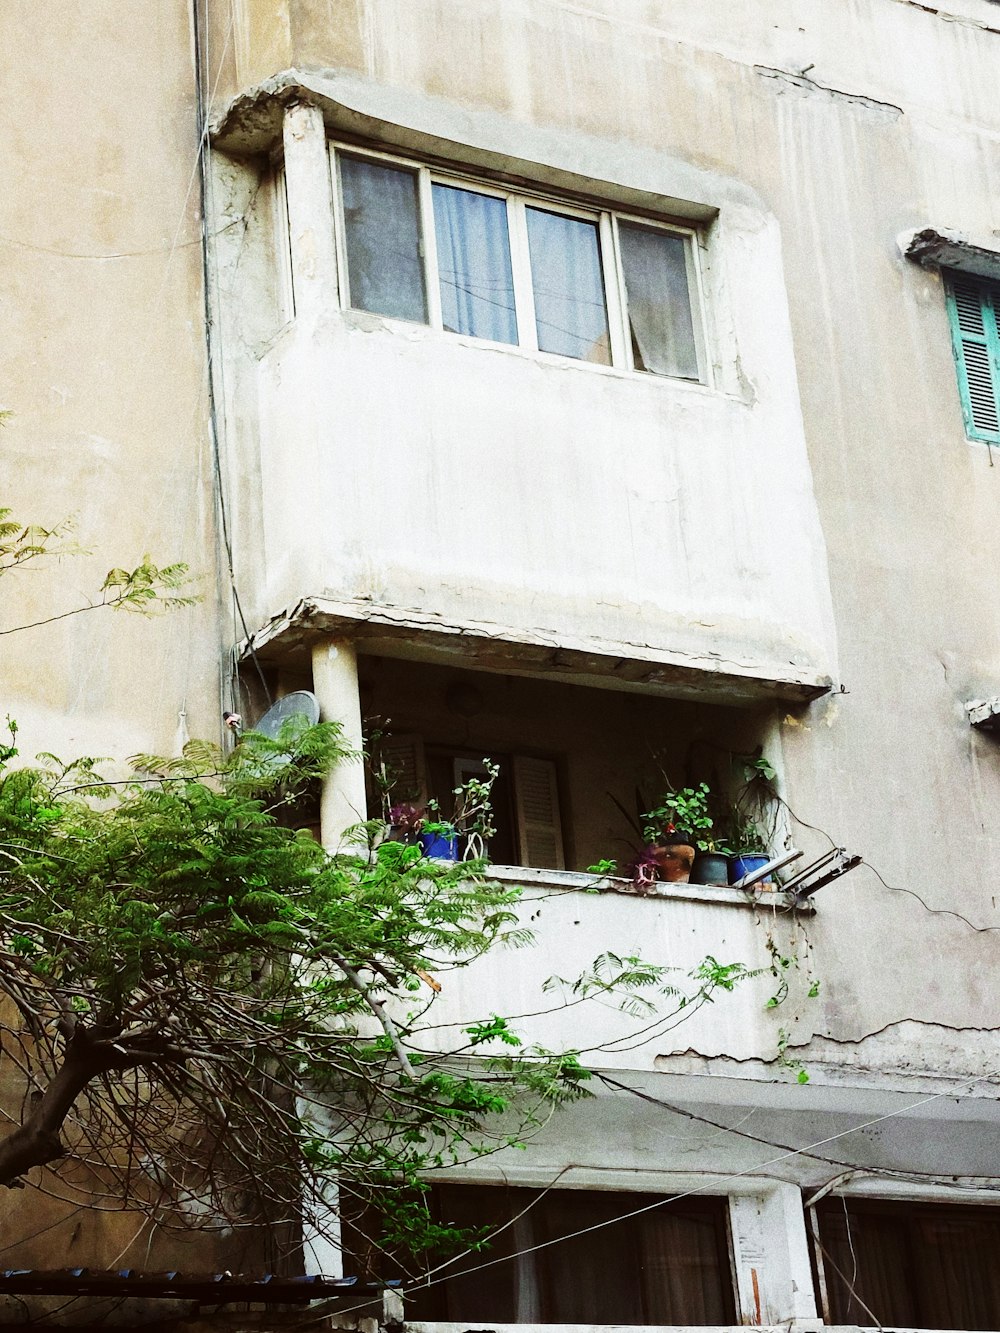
x=104 y=370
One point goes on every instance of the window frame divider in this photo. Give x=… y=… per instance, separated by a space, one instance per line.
x=615 y=296
x=520 y=263
x=283 y=234
x=428 y=249
x=699 y=310
x=340 y=227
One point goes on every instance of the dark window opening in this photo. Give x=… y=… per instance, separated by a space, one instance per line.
x=667 y=1265
x=914 y=1265
x=525 y=801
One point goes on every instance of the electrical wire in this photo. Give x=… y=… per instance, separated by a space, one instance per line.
x=886 y=1173
x=213 y=403
x=892 y=888
x=14 y=243
x=934 y=911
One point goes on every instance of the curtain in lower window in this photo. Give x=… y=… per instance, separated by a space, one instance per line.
x=682 y=1259
x=959 y=1265
x=911 y=1265
x=473 y=251
x=668 y=1265
x=659 y=303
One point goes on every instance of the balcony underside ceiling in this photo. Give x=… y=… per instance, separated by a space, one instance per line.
x=287 y=639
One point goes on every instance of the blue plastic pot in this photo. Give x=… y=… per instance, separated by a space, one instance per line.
x=438 y=846
x=745 y=864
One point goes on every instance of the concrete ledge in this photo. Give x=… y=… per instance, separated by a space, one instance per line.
x=418 y=635
x=485 y=1326
x=952 y=249
x=565 y=881
x=984 y=714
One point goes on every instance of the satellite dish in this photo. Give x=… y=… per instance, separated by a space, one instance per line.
x=300 y=704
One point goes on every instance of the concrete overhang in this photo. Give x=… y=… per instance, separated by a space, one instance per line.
x=954 y=250
x=689 y=1078
x=879 y=1134
x=984 y=714
x=402 y=632
x=443 y=132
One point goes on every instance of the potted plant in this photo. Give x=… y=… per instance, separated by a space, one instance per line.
x=439 y=838
x=749 y=848
x=470 y=826
x=680 y=839
x=752 y=820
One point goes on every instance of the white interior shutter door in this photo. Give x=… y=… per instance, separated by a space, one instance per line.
x=539 y=828
x=403 y=759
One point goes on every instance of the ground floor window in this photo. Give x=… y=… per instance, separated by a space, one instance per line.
x=911 y=1264
x=618 y=1265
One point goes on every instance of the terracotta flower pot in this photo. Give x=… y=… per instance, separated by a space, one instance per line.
x=673 y=860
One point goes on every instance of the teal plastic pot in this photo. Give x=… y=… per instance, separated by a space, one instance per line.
x=710 y=868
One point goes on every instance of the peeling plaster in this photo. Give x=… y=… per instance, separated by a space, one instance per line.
x=811 y=87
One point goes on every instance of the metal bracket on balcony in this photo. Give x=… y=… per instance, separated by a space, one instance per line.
x=757 y=876
x=831 y=865
x=984 y=714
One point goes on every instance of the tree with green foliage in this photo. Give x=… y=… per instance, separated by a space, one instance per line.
x=221 y=1017
x=170 y=946
x=147 y=588
x=212 y=1018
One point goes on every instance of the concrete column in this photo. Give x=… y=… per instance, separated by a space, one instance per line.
x=771 y=1254
x=310 y=210
x=335 y=684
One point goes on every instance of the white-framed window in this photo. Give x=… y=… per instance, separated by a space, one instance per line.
x=473 y=257
x=278 y=200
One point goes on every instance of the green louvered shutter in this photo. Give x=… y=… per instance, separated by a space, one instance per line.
x=974 y=311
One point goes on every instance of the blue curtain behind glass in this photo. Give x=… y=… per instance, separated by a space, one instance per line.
x=570 y=313
x=477 y=287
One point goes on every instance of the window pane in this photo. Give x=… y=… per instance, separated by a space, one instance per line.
x=382 y=225
x=911 y=1265
x=659 y=302
x=593 y=1278
x=473 y=253
x=570 y=313
x=668 y=1265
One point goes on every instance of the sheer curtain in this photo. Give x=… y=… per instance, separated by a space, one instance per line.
x=473 y=250
x=667 y=1266
x=659 y=302
x=382 y=226
x=682 y=1280
x=566 y=280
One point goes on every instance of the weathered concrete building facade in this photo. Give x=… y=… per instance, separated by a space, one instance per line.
x=606 y=388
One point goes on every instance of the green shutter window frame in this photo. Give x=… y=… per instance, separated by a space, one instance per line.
x=974 y=315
